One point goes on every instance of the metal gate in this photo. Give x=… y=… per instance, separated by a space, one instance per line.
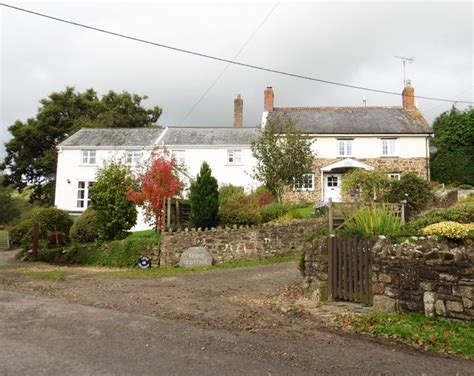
x=350 y=267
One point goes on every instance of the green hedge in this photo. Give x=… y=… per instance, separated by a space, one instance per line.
x=117 y=253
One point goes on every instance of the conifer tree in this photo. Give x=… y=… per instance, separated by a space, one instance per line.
x=204 y=198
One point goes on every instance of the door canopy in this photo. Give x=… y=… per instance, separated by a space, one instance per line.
x=346 y=163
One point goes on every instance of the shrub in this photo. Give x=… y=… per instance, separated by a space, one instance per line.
x=418 y=190
x=450 y=230
x=204 y=198
x=263 y=196
x=366 y=185
x=86 y=228
x=239 y=210
x=465 y=186
x=49 y=219
x=229 y=190
x=115 y=213
x=275 y=210
x=374 y=220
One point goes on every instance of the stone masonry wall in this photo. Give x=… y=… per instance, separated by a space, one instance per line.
x=240 y=243
x=389 y=164
x=426 y=276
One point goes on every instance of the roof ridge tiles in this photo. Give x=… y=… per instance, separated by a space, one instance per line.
x=334 y=108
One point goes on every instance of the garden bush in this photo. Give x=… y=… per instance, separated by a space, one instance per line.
x=204 y=198
x=418 y=190
x=450 y=230
x=229 y=190
x=86 y=228
x=117 y=253
x=239 y=209
x=465 y=186
x=263 y=196
x=49 y=219
x=275 y=210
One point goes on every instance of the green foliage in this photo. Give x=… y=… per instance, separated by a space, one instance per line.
x=366 y=185
x=465 y=186
x=281 y=160
x=262 y=196
x=229 y=190
x=150 y=234
x=31 y=153
x=276 y=210
x=86 y=227
x=373 y=221
x=239 y=209
x=204 y=198
x=49 y=219
x=415 y=329
x=114 y=211
x=418 y=190
x=117 y=253
x=454 y=140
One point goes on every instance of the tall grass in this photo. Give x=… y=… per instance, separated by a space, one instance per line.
x=374 y=220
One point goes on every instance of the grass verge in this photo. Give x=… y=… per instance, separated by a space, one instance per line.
x=429 y=334
x=50 y=275
x=173 y=271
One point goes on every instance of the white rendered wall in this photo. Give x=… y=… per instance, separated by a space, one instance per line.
x=371 y=147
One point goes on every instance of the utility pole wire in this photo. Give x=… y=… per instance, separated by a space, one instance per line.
x=229 y=64
x=216 y=58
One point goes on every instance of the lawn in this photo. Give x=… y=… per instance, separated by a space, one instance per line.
x=415 y=329
x=143 y=234
x=303 y=213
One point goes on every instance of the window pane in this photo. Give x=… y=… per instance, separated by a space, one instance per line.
x=349 y=147
x=341 y=147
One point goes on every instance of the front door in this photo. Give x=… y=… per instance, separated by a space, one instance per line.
x=332 y=187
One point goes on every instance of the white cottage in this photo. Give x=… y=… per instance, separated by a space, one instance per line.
x=392 y=138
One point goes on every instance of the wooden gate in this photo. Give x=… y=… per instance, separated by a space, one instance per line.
x=350 y=267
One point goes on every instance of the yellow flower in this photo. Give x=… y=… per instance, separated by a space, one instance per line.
x=452 y=230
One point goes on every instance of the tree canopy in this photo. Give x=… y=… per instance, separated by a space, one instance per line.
x=283 y=156
x=31 y=154
x=454 y=140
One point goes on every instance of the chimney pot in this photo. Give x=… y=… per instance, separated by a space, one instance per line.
x=268 y=99
x=238 y=111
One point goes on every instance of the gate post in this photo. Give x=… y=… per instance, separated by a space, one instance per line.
x=331 y=216
x=331 y=250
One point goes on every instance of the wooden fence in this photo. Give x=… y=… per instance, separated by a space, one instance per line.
x=350 y=268
x=339 y=212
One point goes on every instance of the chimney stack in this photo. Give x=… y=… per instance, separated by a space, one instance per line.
x=408 y=96
x=238 y=111
x=268 y=99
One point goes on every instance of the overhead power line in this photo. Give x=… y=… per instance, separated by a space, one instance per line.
x=229 y=64
x=216 y=58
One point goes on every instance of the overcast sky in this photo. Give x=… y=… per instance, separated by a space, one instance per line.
x=349 y=42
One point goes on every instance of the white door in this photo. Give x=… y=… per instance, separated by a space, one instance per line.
x=332 y=187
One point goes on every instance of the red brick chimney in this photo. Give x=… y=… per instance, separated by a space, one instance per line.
x=238 y=110
x=268 y=99
x=408 y=96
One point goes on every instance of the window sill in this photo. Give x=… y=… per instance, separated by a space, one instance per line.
x=88 y=165
x=389 y=156
x=235 y=164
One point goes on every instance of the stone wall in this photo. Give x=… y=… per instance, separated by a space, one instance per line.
x=427 y=276
x=240 y=243
x=389 y=164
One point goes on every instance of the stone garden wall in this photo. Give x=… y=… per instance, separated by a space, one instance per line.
x=240 y=243
x=426 y=276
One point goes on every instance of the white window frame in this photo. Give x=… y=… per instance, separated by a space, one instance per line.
x=179 y=156
x=234 y=156
x=389 y=147
x=133 y=157
x=394 y=175
x=88 y=157
x=85 y=200
x=344 y=148
x=307 y=183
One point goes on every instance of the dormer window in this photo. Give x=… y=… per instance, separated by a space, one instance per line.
x=88 y=157
x=344 y=148
x=388 y=147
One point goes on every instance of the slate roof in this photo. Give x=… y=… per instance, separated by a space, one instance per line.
x=113 y=137
x=352 y=120
x=209 y=136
